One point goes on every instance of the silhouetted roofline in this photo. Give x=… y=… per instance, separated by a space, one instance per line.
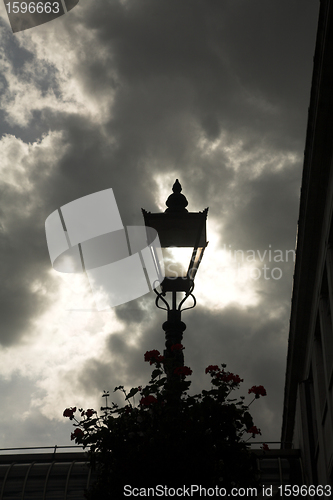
x=315 y=182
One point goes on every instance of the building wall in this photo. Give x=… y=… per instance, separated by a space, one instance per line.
x=308 y=403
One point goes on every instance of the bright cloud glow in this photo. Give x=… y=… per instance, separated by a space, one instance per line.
x=18 y=159
x=176 y=261
x=55 y=59
x=251 y=162
x=164 y=183
x=54 y=351
x=220 y=280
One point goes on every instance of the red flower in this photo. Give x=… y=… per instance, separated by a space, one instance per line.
x=182 y=370
x=212 y=369
x=77 y=434
x=229 y=377
x=258 y=390
x=89 y=413
x=265 y=447
x=236 y=379
x=254 y=430
x=177 y=347
x=69 y=412
x=154 y=356
x=146 y=401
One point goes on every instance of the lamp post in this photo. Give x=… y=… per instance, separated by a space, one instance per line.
x=182 y=236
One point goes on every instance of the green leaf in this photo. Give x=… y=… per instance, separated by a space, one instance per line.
x=160 y=382
x=156 y=373
x=132 y=392
x=89 y=423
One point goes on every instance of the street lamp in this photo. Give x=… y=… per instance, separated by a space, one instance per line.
x=182 y=236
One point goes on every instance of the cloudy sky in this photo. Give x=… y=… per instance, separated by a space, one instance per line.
x=130 y=95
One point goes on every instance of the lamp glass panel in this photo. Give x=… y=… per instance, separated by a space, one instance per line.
x=196 y=262
x=176 y=261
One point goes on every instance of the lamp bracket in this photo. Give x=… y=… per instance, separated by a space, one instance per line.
x=161 y=295
x=186 y=297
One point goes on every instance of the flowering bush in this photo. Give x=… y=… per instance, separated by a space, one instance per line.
x=169 y=437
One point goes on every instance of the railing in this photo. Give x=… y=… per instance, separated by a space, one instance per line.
x=34 y=476
x=54 y=448
x=282 y=444
x=32 y=473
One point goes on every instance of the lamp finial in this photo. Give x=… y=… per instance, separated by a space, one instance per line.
x=176 y=201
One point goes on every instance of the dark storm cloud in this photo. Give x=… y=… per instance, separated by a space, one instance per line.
x=22 y=64
x=26 y=261
x=230 y=56
x=269 y=214
x=129 y=314
x=179 y=70
x=174 y=67
x=170 y=62
x=252 y=344
x=168 y=75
